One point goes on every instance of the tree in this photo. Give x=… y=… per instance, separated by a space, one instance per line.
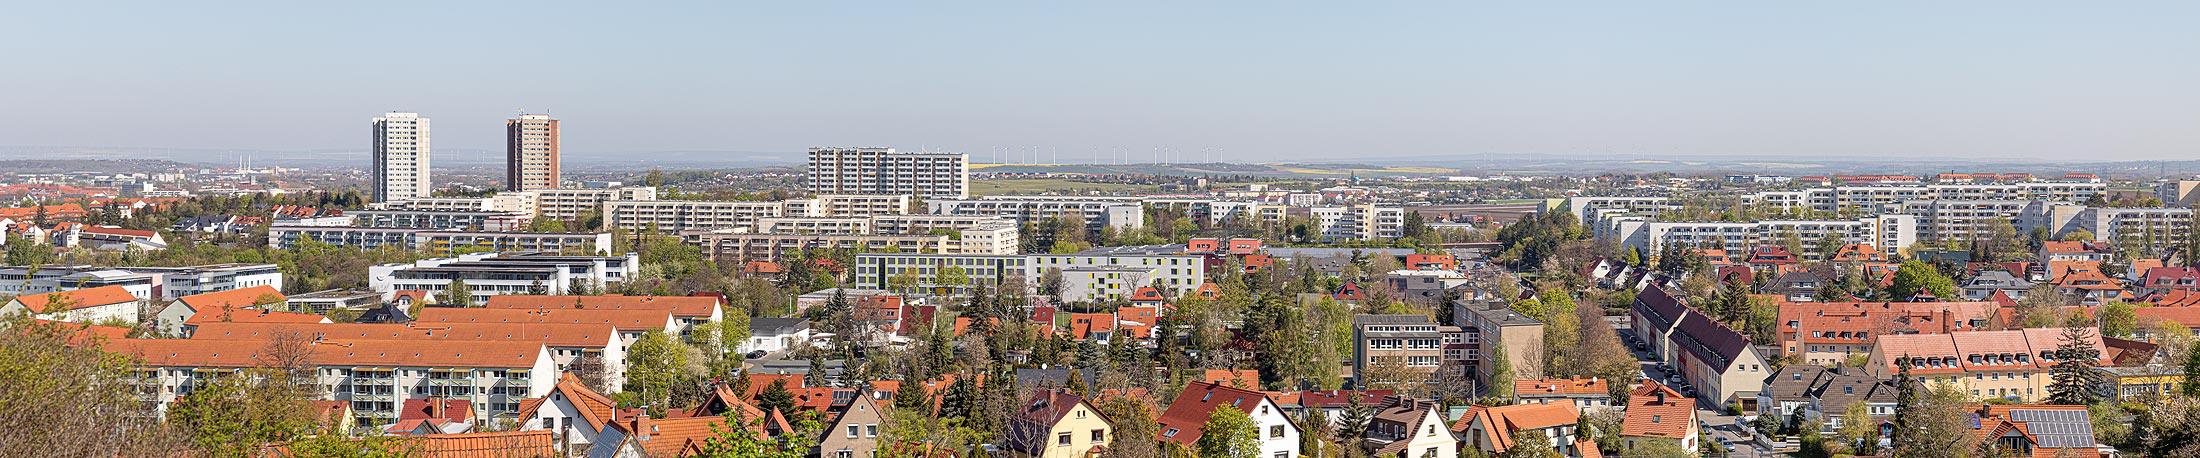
x=73 y=400
x=910 y=396
x=775 y=397
x=2191 y=386
x=1858 y=431
x=1913 y=275
x=1357 y=416
x=457 y=294
x=2075 y=382
x=2118 y=319
x=735 y=440
x=1500 y=380
x=2173 y=427
x=1135 y=427
x=655 y=365
x=1228 y=433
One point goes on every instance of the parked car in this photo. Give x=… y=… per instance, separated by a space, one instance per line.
x=756 y=354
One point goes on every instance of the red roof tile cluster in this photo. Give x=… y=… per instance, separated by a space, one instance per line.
x=76 y=299
x=1558 y=386
x=1657 y=411
x=681 y=306
x=1189 y=412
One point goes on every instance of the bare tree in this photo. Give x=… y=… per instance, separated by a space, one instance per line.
x=64 y=400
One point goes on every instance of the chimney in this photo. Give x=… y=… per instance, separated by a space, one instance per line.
x=1947 y=321
x=435 y=408
x=1661 y=396
x=641 y=425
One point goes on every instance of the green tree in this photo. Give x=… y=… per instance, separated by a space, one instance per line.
x=1229 y=433
x=910 y=396
x=735 y=440
x=2191 y=386
x=1501 y=375
x=655 y=365
x=1857 y=429
x=1135 y=427
x=64 y=399
x=2074 y=380
x=2118 y=319
x=1531 y=443
x=1914 y=275
x=236 y=413
x=457 y=294
x=775 y=397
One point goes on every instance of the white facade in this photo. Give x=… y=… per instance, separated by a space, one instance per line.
x=489 y=274
x=670 y=216
x=569 y=203
x=160 y=283
x=400 y=157
x=1364 y=222
x=366 y=373
x=1177 y=274
x=1104 y=283
x=1119 y=212
x=1892 y=231
x=884 y=171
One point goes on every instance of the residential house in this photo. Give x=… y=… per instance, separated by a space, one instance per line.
x=1986 y=282
x=1775 y=259
x=1656 y=413
x=2039 y=431
x=1586 y=393
x=570 y=411
x=426 y=416
x=855 y=432
x=2162 y=280
x=690 y=311
x=89 y=305
x=1494 y=430
x=177 y=317
x=1857 y=253
x=1829 y=333
x=1799 y=285
x=1056 y=424
x=1182 y=423
x=773 y=335
x=1413 y=428
x=1824 y=394
x=1717 y=361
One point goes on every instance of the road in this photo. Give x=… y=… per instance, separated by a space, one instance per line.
x=1718 y=424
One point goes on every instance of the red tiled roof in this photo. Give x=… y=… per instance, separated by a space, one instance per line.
x=77 y=299
x=240 y=298
x=1648 y=417
x=500 y=444
x=1188 y=414
x=1570 y=386
x=681 y=306
x=625 y=320
x=1241 y=378
x=596 y=410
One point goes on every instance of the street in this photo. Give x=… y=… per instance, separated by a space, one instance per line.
x=1718 y=425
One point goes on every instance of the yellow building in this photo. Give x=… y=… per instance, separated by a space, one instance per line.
x=2144 y=380
x=1057 y=424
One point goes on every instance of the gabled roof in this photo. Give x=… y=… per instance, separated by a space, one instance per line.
x=499 y=444
x=1651 y=415
x=1147 y=294
x=245 y=353
x=553 y=334
x=625 y=320
x=1561 y=387
x=670 y=436
x=1719 y=345
x=1199 y=400
x=235 y=315
x=238 y=298
x=1044 y=409
x=77 y=299
x=1858 y=252
x=1240 y=378
x=1497 y=424
x=595 y=409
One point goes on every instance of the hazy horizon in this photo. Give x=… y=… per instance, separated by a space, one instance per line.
x=1259 y=82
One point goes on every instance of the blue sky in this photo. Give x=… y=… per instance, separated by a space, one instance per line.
x=1262 y=81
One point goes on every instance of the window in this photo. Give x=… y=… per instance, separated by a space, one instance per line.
x=1080 y=413
x=1170 y=433
x=1099 y=435
x=1061 y=440
x=852 y=433
x=1275 y=431
x=870 y=430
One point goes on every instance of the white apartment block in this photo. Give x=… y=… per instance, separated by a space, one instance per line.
x=1893 y=231
x=727 y=245
x=1943 y=219
x=2168 y=225
x=489 y=274
x=509 y=201
x=439 y=219
x=1122 y=213
x=440 y=241
x=847 y=205
x=874 y=270
x=400 y=157
x=1589 y=209
x=1889 y=198
x=569 y=203
x=1364 y=222
x=671 y=216
x=154 y=283
x=884 y=171
x=375 y=376
x=1105 y=283
x=1177 y=274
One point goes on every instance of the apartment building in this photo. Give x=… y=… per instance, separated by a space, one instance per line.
x=687 y=215
x=689 y=311
x=733 y=246
x=569 y=203
x=400 y=157
x=509 y=201
x=1963 y=219
x=440 y=241
x=1491 y=322
x=1104 y=283
x=1717 y=361
x=2178 y=193
x=531 y=152
x=155 y=283
x=568 y=342
x=885 y=171
x=1893 y=231
x=1363 y=222
x=630 y=323
x=442 y=219
x=490 y=274
x=1412 y=343
x=1121 y=213
x=1591 y=209
x=374 y=376
x=876 y=270
x=1890 y=197
x=847 y=205
x=1175 y=272
x=2012 y=364
x=1832 y=332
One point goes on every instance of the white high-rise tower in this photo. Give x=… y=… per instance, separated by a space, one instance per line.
x=400 y=157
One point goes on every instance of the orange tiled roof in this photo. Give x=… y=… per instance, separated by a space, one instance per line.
x=681 y=306
x=499 y=444
x=78 y=299
x=552 y=334
x=240 y=298
x=1648 y=417
x=246 y=353
x=625 y=320
x=1529 y=387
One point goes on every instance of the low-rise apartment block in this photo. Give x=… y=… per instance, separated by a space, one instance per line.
x=156 y=283
x=2010 y=364
x=489 y=274
x=375 y=376
x=440 y=241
